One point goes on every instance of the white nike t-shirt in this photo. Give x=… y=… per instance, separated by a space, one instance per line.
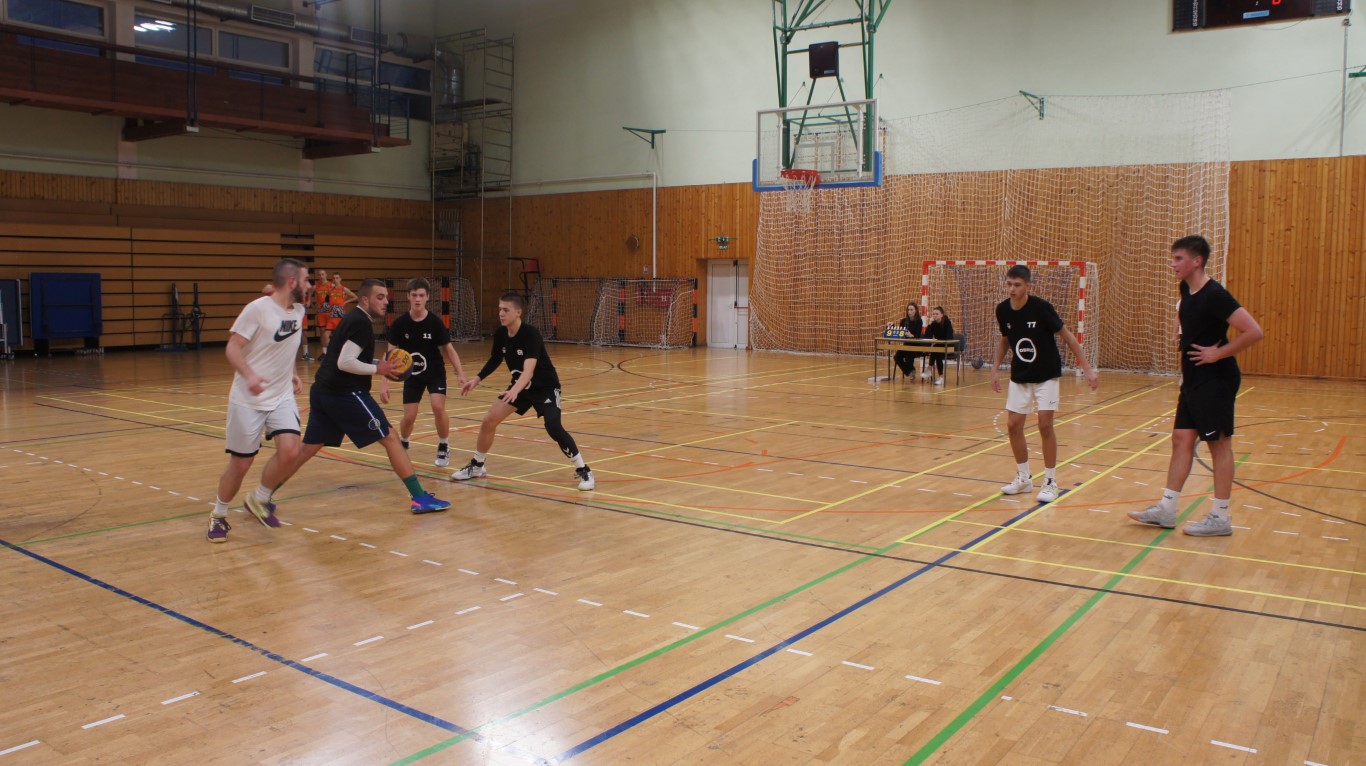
x=273 y=336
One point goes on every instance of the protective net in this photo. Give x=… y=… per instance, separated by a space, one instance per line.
x=451 y=298
x=1107 y=180
x=963 y=288
x=655 y=313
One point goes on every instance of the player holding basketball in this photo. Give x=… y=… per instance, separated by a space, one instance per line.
x=422 y=334
x=535 y=384
x=1209 y=387
x=1028 y=325
x=340 y=403
x=262 y=346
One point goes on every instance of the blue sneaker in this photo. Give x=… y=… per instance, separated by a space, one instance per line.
x=427 y=503
x=264 y=512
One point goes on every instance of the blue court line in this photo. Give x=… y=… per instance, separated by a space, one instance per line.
x=412 y=712
x=645 y=715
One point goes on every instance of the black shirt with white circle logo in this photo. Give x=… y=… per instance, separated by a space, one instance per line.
x=1031 y=332
x=515 y=350
x=424 y=340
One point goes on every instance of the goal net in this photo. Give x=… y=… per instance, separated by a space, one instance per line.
x=654 y=313
x=969 y=292
x=451 y=298
x=1110 y=181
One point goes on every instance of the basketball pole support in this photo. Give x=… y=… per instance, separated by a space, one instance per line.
x=791 y=18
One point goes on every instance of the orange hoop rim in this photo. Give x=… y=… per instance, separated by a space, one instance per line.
x=812 y=178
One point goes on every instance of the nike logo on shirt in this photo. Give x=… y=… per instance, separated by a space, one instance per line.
x=279 y=337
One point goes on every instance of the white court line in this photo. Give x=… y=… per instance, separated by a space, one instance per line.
x=799 y=651
x=1306 y=763
x=466 y=571
x=590 y=603
x=1235 y=526
x=1232 y=746
x=337 y=537
x=421 y=625
x=1288 y=513
x=925 y=680
x=546 y=592
x=314 y=657
x=857 y=665
x=103 y=722
x=467 y=610
x=1066 y=710
x=370 y=640
x=689 y=627
x=368 y=545
x=633 y=614
x=765 y=470
x=515 y=595
x=174 y=700
x=310 y=529
x=1333 y=521
x=399 y=553
x=1098 y=510
x=1145 y=728
x=856 y=481
x=1253 y=507
x=962 y=494
x=433 y=563
x=248 y=678
x=789 y=473
x=505 y=582
x=31 y=743
x=922 y=489
x=1342 y=539
x=740 y=638
x=1279 y=532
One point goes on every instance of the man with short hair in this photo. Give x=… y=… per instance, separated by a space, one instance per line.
x=535 y=384
x=1028 y=325
x=340 y=404
x=1209 y=388
x=422 y=334
x=262 y=346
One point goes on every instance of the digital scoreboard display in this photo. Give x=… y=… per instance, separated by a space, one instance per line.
x=1204 y=14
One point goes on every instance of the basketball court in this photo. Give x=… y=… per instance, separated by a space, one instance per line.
x=785 y=559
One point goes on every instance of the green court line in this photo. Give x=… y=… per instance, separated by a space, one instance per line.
x=954 y=726
x=444 y=744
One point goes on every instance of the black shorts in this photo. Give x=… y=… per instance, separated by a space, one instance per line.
x=542 y=399
x=432 y=381
x=354 y=414
x=1207 y=408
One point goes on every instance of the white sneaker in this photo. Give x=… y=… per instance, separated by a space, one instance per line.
x=1021 y=485
x=1155 y=515
x=585 y=478
x=1049 y=492
x=472 y=470
x=925 y=375
x=939 y=381
x=1209 y=527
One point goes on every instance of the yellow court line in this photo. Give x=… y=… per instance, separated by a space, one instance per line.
x=978 y=453
x=136 y=413
x=1132 y=575
x=628 y=498
x=1165 y=550
x=679 y=446
x=219 y=411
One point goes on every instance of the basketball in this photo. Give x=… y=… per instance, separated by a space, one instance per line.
x=402 y=362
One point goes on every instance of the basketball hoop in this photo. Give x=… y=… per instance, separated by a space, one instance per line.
x=799 y=187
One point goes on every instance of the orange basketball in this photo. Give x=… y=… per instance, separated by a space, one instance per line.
x=402 y=362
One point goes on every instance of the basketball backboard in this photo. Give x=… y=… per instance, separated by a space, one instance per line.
x=840 y=140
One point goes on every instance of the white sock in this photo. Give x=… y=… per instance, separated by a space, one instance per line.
x=220 y=509
x=479 y=457
x=1168 y=501
x=578 y=461
x=443 y=442
x=262 y=493
x=1048 y=474
x=1220 y=510
x=1023 y=469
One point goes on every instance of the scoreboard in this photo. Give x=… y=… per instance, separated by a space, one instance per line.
x=1203 y=14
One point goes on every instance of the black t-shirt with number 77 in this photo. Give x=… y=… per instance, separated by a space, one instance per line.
x=1031 y=332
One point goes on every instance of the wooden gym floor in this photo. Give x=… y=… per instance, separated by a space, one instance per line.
x=782 y=564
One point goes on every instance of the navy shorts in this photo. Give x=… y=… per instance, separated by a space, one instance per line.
x=1207 y=408
x=432 y=381
x=353 y=414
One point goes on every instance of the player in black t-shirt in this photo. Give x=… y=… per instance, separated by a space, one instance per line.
x=340 y=403
x=1209 y=387
x=535 y=384
x=422 y=334
x=1028 y=327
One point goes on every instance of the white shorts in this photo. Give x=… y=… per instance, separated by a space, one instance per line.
x=246 y=424
x=1021 y=397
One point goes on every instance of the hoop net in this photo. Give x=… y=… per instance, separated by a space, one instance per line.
x=1110 y=180
x=799 y=188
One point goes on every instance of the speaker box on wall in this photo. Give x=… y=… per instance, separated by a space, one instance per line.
x=825 y=59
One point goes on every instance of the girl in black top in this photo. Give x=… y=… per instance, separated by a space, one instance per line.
x=906 y=359
x=940 y=328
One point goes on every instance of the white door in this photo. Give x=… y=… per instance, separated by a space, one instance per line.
x=728 y=304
